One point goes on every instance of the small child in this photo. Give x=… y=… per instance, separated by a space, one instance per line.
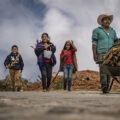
x=67 y=59
x=15 y=65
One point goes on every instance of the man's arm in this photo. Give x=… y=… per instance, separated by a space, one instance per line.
x=115 y=38
x=94 y=44
x=94 y=49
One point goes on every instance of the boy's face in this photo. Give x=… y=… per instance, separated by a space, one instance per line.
x=68 y=46
x=44 y=38
x=14 y=50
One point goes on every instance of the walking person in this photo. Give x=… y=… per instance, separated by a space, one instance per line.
x=46 y=60
x=68 y=66
x=103 y=38
x=14 y=63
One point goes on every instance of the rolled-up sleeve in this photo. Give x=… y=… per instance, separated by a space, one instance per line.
x=115 y=37
x=95 y=37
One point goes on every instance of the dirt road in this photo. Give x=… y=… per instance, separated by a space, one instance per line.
x=59 y=105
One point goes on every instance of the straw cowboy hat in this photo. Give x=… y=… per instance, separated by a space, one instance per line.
x=100 y=17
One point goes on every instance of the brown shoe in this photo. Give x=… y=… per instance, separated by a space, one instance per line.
x=18 y=89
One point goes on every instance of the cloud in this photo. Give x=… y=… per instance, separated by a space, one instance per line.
x=20 y=25
x=22 y=22
x=77 y=19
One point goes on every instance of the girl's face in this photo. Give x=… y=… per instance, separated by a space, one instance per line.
x=68 y=46
x=14 y=50
x=45 y=38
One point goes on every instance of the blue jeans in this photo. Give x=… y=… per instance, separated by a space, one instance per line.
x=68 y=70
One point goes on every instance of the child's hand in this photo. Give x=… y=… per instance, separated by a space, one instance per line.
x=7 y=67
x=66 y=54
x=72 y=42
x=46 y=45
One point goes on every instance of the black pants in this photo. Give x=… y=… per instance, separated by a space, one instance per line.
x=46 y=72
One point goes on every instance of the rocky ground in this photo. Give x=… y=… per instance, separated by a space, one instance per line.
x=59 y=105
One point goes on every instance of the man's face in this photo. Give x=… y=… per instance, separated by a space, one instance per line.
x=14 y=50
x=106 y=22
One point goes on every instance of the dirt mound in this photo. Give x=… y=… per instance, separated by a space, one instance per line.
x=86 y=80
x=82 y=80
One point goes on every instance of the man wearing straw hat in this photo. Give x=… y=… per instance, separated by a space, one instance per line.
x=103 y=38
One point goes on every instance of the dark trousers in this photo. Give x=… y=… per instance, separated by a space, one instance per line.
x=46 y=72
x=104 y=78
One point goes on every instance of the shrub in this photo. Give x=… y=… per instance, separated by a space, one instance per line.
x=59 y=84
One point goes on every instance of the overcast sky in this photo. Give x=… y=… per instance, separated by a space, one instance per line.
x=23 y=21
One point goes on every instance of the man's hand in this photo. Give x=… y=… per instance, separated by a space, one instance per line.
x=95 y=57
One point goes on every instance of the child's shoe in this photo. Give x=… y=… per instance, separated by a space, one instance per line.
x=44 y=90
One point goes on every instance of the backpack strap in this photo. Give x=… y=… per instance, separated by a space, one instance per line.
x=15 y=61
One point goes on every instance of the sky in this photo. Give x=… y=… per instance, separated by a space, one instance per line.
x=23 y=21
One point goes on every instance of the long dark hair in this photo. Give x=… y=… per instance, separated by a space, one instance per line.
x=71 y=47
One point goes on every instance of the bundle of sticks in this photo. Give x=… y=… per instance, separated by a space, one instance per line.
x=112 y=57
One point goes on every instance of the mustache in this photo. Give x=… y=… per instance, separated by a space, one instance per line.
x=107 y=22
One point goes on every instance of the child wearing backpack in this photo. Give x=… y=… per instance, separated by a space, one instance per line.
x=67 y=63
x=14 y=63
x=46 y=60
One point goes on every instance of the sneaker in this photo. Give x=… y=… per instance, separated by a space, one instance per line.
x=48 y=89
x=44 y=90
x=69 y=90
x=18 y=89
x=64 y=88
